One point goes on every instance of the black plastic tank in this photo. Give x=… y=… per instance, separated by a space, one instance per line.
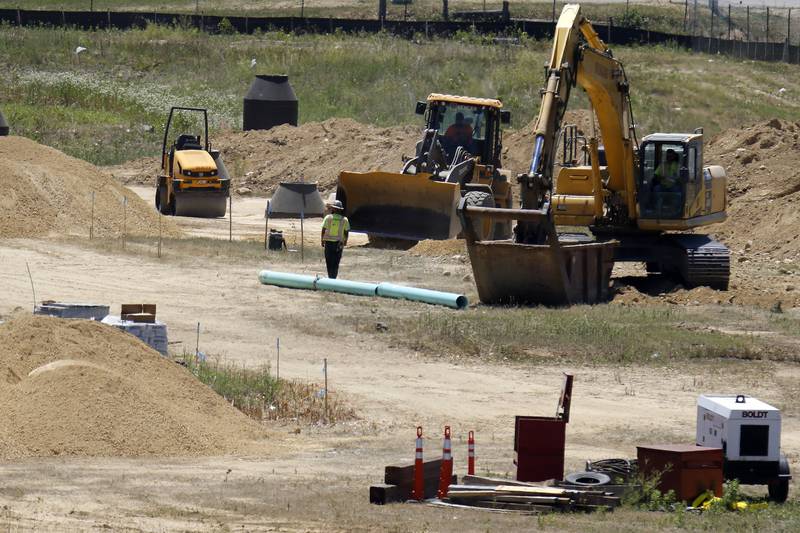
x=3 y=125
x=269 y=102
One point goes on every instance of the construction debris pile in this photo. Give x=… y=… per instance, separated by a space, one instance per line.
x=78 y=387
x=519 y=496
x=46 y=192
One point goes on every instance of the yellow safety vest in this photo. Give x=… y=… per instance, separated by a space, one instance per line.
x=335 y=226
x=668 y=173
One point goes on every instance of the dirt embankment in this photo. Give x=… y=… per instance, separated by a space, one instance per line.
x=47 y=192
x=313 y=152
x=762 y=162
x=318 y=151
x=76 y=387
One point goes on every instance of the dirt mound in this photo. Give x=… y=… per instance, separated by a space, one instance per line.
x=316 y=151
x=440 y=248
x=518 y=144
x=47 y=192
x=763 y=166
x=74 y=387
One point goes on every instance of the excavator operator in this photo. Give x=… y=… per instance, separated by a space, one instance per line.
x=667 y=173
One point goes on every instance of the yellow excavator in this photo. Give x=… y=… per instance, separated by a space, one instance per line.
x=193 y=181
x=626 y=201
x=458 y=156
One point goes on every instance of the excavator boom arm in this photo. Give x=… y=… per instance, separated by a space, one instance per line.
x=580 y=56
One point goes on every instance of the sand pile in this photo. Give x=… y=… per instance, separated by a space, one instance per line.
x=73 y=387
x=763 y=166
x=47 y=192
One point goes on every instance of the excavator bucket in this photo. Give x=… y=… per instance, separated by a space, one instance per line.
x=400 y=206
x=509 y=273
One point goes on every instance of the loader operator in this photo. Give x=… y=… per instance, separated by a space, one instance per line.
x=335 y=230
x=459 y=133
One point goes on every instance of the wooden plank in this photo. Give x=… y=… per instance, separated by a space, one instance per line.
x=539 y=500
x=382 y=493
x=520 y=508
x=511 y=489
x=616 y=490
x=494 y=481
x=400 y=474
x=450 y=505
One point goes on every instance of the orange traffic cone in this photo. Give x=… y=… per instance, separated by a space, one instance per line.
x=446 y=472
x=471 y=454
x=418 y=490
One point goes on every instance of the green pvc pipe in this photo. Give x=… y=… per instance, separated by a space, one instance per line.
x=450 y=299
x=359 y=288
x=285 y=279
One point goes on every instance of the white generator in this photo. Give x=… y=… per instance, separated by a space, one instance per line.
x=749 y=433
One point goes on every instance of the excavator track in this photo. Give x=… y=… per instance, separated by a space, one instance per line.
x=703 y=261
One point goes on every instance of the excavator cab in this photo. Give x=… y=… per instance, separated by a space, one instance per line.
x=674 y=190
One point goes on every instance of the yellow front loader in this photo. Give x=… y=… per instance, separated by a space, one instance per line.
x=457 y=157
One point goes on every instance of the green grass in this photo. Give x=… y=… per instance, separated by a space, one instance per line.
x=109 y=104
x=261 y=395
x=604 y=333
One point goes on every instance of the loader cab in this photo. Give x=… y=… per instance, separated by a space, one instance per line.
x=671 y=175
x=464 y=124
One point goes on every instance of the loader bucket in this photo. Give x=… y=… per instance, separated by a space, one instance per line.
x=402 y=206
x=199 y=203
x=509 y=273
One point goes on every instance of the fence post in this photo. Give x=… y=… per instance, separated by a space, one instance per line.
x=788 y=32
x=747 y=54
x=729 y=22
x=445 y=12
x=766 y=39
x=685 y=14
x=610 y=23
x=711 y=32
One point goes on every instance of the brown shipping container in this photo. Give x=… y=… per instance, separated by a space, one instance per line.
x=687 y=469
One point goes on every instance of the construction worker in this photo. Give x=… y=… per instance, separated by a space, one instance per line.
x=459 y=133
x=667 y=173
x=335 y=230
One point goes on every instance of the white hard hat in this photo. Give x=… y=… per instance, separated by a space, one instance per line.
x=337 y=204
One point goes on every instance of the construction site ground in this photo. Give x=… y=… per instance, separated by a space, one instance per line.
x=397 y=364
x=316 y=477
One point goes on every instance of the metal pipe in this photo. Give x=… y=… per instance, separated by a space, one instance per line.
x=358 y=288
x=390 y=290
x=386 y=290
x=498 y=213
